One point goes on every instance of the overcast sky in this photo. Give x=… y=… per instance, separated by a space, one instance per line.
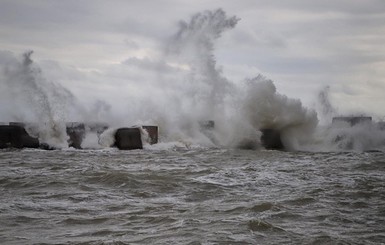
x=94 y=47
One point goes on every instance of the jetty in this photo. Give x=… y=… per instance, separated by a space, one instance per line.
x=21 y=135
x=25 y=135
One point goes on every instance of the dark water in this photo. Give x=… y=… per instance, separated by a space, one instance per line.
x=197 y=196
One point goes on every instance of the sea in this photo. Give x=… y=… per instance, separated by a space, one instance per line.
x=191 y=195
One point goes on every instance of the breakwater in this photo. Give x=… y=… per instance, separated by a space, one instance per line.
x=26 y=135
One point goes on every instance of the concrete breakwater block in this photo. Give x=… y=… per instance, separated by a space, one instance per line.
x=152 y=133
x=17 y=137
x=128 y=139
x=76 y=133
x=271 y=139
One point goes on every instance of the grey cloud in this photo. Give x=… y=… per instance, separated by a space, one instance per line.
x=43 y=14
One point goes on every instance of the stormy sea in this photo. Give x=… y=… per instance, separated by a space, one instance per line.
x=191 y=196
x=211 y=184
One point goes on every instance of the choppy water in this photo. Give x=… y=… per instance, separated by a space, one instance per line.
x=196 y=196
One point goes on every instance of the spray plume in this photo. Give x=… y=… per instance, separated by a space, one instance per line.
x=33 y=99
x=239 y=111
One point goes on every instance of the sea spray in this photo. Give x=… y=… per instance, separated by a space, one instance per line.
x=239 y=110
x=107 y=138
x=325 y=108
x=91 y=140
x=342 y=136
x=37 y=100
x=201 y=90
x=264 y=108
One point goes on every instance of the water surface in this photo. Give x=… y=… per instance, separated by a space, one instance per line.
x=191 y=196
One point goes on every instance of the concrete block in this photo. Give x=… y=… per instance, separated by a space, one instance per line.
x=30 y=142
x=76 y=132
x=17 y=137
x=6 y=133
x=271 y=139
x=128 y=139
